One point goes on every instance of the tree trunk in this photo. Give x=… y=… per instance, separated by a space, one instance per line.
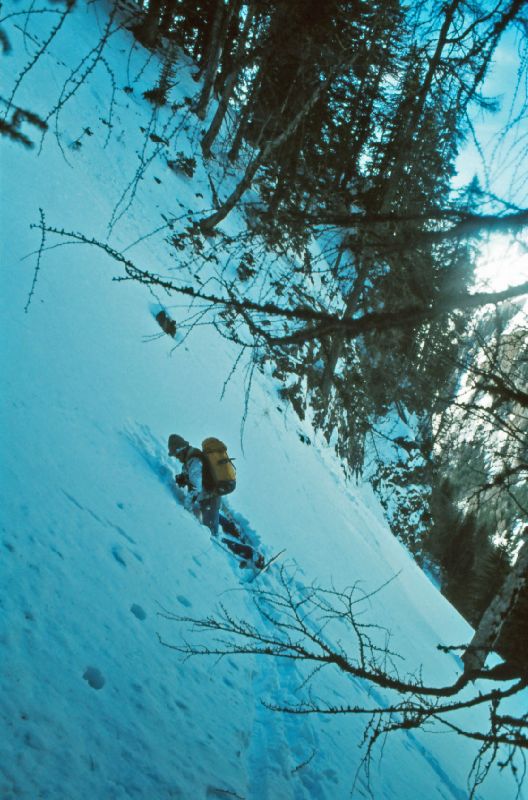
x=147 y=31
x=500 y=608
x=336 y=348
x=409 y=113
x=229 y=86
x=207 y=224
x=234 y=150
x=248 y=109
x=220 y=25
x=211 y=58
x=212 y=133
x=167 y=17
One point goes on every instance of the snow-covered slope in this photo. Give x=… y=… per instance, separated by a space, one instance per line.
x=94 y=545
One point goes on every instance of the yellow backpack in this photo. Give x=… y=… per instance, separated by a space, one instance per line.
x=221 y=472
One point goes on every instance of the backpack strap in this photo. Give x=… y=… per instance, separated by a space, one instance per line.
x=207 y=482
x=193 y=452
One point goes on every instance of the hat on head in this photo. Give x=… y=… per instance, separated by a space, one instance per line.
x=177 y=444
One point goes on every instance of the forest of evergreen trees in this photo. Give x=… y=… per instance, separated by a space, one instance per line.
x=347 y=119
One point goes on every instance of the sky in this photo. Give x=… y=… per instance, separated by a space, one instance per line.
x=500 y=163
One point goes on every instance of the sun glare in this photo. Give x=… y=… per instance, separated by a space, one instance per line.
x=502 y=263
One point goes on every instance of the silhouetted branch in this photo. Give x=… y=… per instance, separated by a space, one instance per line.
x=298 y=624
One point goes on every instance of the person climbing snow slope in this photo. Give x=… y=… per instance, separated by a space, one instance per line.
x=208 y=474
x=203 y=496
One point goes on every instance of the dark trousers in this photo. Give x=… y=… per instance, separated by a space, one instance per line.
x=210 y=508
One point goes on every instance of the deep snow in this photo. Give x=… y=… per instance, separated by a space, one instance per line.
x=94 y=545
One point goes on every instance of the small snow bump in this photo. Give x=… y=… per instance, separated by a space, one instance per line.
x=138 y=612
x=94 y=677
x=117 y=553
x=34 y=741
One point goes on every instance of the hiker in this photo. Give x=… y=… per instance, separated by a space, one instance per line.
x=208 y=474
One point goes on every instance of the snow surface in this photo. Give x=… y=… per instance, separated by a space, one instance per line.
x=94 y=545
